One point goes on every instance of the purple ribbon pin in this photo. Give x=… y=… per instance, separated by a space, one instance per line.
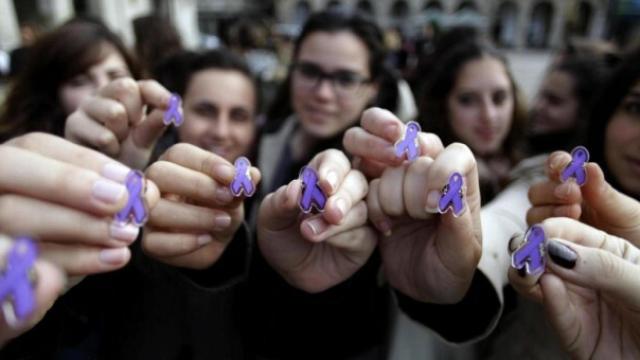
x=312 y=195
x=16 y=280
x=242 y=181
x=174 y=114
x=530 y=255
x=575 y=169
x=409 y=143
x=452 y=195
x=135 y=210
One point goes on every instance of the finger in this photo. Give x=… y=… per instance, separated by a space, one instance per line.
x=382 y=123
x=430 y=145
x=606 y=202
x=390 y=191
x=540 y=213
x=560 y=311
x=147 y=133
x=332 y=167
x=59 y=182
x=464 y=232
x=109 y=113
x=154 y=94
x=127 y=92
x=50 y=222
x=317 y=229
x=85 y=260
x=194 y=185
x=556 y=163
x=524 y=283
x=82 y=130
x=183 y=217
x=414 y=195
x=353 y=189
x=165 y=245
x=370 y=147
x=279 y=210
x=376 y=215
x=208 y=163
x=598 y=268
x=53 y=147
x=358 y=244
x=371 y=169
x=554 y=193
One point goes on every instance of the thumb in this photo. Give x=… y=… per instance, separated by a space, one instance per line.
x=606 y=203
x=279 y=210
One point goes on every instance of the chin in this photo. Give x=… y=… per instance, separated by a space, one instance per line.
x=320 y=131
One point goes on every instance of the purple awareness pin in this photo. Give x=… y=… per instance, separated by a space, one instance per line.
x=530 y=255
x=173 y=113
x=312 y=194
x=409 y=142
x=452 y=194
x=575 y=169
x=136 y=210
x=15 y=282
x=242 y=180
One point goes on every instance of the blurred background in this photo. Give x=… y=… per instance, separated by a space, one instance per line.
x=528 y=31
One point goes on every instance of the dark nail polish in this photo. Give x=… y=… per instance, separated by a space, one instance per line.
x=522 y=272
x=562 y=254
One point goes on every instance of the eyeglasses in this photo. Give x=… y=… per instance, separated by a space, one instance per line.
x=344 y=82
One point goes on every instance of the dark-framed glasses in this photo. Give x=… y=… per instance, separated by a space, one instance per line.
x=344 y=82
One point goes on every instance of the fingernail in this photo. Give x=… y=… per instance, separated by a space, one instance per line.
x=116 y=172
x=224 y=171
x=556 y=162
x=385 y=227
x=113 y=256
x=108 y=191
x=124 y=232
x=391 y=129
x=332 y=179
x=512 y=245
x=341 y=205
x=432 y=201
x=562 y=254
x=562 y=191
x=316 y=225
x=204 y=239
x=224 y=195
x=222 y=221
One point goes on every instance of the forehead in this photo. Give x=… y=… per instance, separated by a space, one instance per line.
x=483 y=72
x=221 y=87
x=558 y=82
x=335 y=50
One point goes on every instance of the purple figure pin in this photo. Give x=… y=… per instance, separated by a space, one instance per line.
x=452 y=195
x=242 y=181
x=575 y=169
x=16 y=291
x=409 y=142
x=530 y=255
x=312 y=194
x=174 y=112
x=136 y=210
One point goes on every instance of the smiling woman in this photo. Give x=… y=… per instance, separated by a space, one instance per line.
x=66 y=66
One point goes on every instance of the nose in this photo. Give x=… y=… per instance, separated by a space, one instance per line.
x=220 y=127
x=99 y=82
x=489 y=111
x=324 y=88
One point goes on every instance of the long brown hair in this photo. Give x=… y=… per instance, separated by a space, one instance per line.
x=32 y=103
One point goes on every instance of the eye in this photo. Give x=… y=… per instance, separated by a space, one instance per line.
x=240 y=116
x=466 y=99
x=500 y=97
x=206 y=110
x=309 y=70
x=347 y=79
x=80 y=80
x=632 y=107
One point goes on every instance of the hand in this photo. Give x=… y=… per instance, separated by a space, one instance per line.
x=317 y=252
x=65 y=196
x=49 y=284
x=197 y=215
x=428 y=256
x=590 y=290
x=373 y=143
x=596 y=203
x=115 y=120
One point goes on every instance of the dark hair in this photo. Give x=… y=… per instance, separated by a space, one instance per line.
x=32 y=103
x=367 y=31
x=433 y=115
x=156 y=38
x=176 y=71
x=616 y=88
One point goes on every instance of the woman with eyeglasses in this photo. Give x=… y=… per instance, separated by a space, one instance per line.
x=333 y=297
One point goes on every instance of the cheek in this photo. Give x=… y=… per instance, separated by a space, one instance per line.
x=191 y=129
x=244 y=134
